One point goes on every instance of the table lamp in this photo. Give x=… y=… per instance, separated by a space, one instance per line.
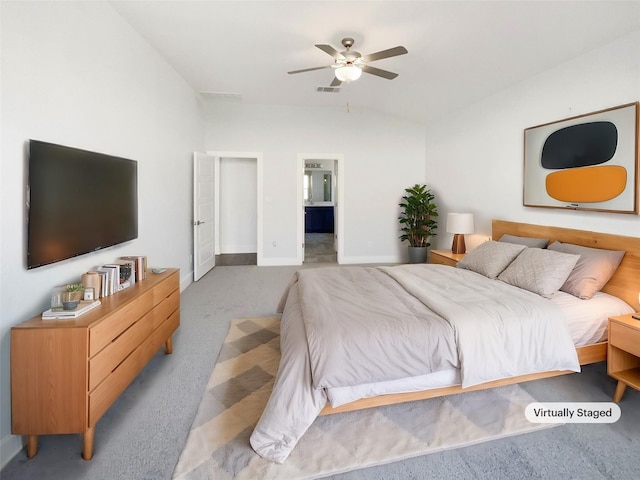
x=459 y=224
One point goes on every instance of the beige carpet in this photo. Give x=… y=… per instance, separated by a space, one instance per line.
x=218 y=444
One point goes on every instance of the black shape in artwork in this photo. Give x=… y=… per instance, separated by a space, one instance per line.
x=580 y=145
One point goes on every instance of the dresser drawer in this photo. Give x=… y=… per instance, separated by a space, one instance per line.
x=164 y=331
x=114 y=353
x=166 y=288
x=111 y=327
x=166 y=308
x=625 y=338
x=115 y=383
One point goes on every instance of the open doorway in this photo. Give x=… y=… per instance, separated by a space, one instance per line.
x=238 y=211
x=320 y=205
x=238 y=207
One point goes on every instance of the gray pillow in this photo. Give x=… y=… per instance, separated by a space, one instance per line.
x=490 y=258
x=539 y=271
x=526 y=241
x=594 y=269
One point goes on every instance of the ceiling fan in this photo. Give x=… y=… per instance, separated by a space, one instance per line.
x=349 y=64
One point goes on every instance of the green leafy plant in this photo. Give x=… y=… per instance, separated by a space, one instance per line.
x=417 y=222
x=74 y=287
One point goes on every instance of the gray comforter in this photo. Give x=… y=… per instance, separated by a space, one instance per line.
x=349 y=326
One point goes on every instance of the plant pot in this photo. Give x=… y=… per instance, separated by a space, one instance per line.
x=70 y=300
x=417 y=254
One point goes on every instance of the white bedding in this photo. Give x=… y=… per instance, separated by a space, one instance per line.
x=359 y=342
x=586 y=319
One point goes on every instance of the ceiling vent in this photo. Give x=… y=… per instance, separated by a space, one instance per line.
x=329 y=89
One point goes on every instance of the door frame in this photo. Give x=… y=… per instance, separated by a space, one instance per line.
x=338 y=204
x=257 y=156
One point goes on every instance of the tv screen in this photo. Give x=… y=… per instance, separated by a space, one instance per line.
x=78 y=202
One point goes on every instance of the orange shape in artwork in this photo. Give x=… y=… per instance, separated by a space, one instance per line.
x=587 y=185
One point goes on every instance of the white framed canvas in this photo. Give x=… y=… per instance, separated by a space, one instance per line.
x=587 y=162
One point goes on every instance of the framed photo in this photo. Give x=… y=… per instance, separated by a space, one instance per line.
x=89 y=294
x=588 y=162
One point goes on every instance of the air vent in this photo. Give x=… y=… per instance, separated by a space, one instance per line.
x=329 y=89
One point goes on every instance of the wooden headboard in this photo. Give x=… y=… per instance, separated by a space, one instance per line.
x=625 y=282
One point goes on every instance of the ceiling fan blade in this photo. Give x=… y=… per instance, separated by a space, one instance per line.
x=331 y=51
x=379 y=72
x=335 y=83
x=309 y=69
x=391 y=52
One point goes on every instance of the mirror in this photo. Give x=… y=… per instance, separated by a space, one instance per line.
x=318 y=186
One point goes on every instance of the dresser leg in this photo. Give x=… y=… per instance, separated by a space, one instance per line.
x=617 y=396
x=168 y=345
x=87 y=443
x=32 y=445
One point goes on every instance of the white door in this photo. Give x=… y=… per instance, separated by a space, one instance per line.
x=204 y=256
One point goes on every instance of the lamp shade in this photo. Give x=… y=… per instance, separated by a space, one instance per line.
x=348 y=73
x=460 y=223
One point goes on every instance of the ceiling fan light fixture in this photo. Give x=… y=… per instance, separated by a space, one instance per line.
x=348 y=73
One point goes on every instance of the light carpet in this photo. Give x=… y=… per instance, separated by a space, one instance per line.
x=218 y=447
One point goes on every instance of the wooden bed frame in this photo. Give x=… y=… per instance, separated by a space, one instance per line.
x=624 y=284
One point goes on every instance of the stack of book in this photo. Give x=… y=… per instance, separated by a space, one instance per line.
x=112 y=279
x=58 y=313
x=139 y=266
x=117 y=276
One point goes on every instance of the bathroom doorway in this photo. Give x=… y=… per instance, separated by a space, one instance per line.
x=320 y=206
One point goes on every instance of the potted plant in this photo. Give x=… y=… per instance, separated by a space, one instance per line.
x=71 y=296
x=417 y=222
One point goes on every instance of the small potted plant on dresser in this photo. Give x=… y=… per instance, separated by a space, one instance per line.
x=71 y=296
x=417 y=221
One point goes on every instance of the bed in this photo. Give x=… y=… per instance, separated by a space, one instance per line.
x=360 y=337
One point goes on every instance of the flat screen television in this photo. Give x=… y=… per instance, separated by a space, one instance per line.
x=77 y=202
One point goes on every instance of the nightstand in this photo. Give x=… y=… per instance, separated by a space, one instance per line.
x=445 y=257
x=623 y=356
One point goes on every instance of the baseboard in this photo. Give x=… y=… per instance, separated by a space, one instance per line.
x=368 y=260
x=287 y=261
x=186 y=280
x=10 y=446
x=226 y=249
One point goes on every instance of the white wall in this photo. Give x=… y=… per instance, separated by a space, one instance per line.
x=238 y=205
x=474 y=159
x=76 y=74
x=382 y=156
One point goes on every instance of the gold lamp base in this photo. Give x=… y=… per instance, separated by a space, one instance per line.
x=458 y=244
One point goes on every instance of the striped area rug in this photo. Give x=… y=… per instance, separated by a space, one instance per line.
x=218 y=444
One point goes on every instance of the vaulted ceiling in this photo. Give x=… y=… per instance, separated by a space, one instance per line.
x=458 y=51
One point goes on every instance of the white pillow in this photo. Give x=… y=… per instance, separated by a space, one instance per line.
x=539 y=271
x=490 y=258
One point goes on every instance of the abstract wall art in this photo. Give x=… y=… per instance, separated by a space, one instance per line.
x=587 y=162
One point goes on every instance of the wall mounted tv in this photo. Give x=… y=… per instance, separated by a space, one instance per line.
x=78 y=202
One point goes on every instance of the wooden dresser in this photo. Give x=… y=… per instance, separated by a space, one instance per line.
x=65 y=374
